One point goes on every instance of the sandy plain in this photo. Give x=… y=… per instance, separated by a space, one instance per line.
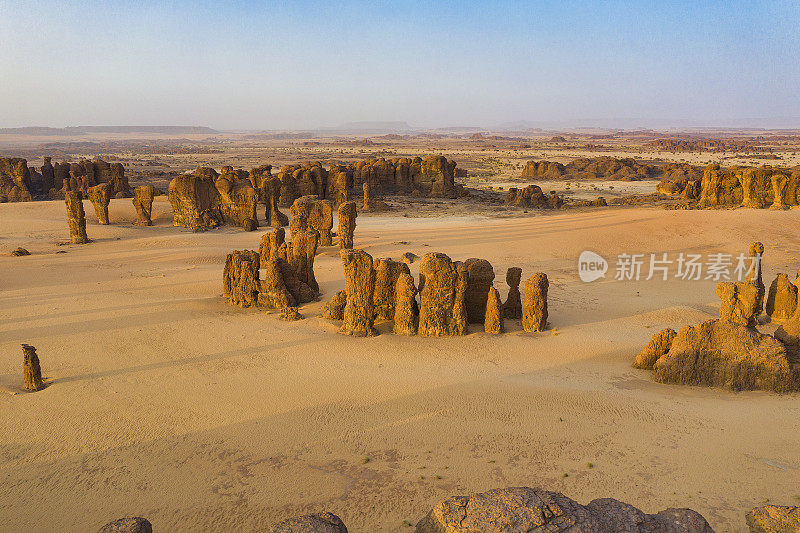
x=165 y=402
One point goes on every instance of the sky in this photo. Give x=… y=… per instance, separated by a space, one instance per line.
x=303 y=65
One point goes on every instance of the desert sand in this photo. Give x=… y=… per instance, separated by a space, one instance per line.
x=166 y=402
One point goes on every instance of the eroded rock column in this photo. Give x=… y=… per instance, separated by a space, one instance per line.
x=32 y=371
x=334 y=309
x=405 y=305
x=779 y=182
x=143 y=202
x=272 y=197
x=513 y=306
x=493 y=321
x=756 y=253
x=240 y=281
x=749 y=199
x=534 y=311
x=100 y=196
x=386 y=273
x=301 y=257
x=273 y=290
x=76 y=217
x=347 y=224
x=480 y=276
x=272 y=245
x=739 y=302
x=359 y=310
x=442 y=286
x=782 y=299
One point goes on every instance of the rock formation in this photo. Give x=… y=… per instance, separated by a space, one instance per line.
x=237 y=199
x=134 y=524
x=546 y=170
x=76 y=218
x=32 y=371
x=258 y=176
x=143 y=202
x=756 y=253
x=774 y=519
x=409 y=258
x=386 y=273
x=750 y=196
x=204 y=199
x=782 y=299
x=290 y=314
x=659 y=345
x=323 y=522
x=370 y=202
x=300 y=291
x=436 y=176
x=720 y=353
x=442 y=288
x=754 y=187
x=308 y=213
x=48 y=176
x=302 y=180
x=100 y=196
x=280 y=289
x=340 y=180
x=432 y=176
x=739 y=302
x=15 y=180
x=241 y=278
x=195 y=200
x=480 y=276
x=523 y=509
x=347 y=224
x=272 y=290
x=359 y=311
x=532 y=196
x=710 y=191
x=334 y=309
x=692 y=190
x=19 y=183
x=534 y=310
x=273 y=245
x=779 y=183
x=493 y=321
x=271 y=194
x=512 y=308
x=405 y=305
x=20 y=252
x=301 y=257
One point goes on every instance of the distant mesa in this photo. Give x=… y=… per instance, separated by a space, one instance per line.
x=86 y=130
x=370 y=127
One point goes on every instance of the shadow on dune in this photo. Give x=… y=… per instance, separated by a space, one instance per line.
x=187 y=361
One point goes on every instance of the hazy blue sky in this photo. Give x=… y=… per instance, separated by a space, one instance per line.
x=262 y=65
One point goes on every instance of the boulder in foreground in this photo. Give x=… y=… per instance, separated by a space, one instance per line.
x=133 y=524
x=774 y=519
x=323 y=522
x=523 y=509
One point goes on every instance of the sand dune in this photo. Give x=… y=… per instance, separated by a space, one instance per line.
x=166 y=402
